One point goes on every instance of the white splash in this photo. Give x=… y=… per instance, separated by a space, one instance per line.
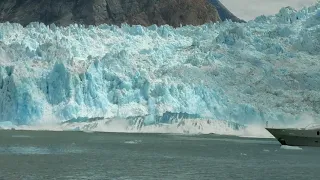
x=290 y=147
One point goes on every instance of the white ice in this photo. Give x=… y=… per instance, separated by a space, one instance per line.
x=265 y=70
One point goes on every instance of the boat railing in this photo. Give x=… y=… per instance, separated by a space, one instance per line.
x=313 y=126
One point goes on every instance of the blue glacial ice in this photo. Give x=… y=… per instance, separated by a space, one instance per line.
x=267 y=69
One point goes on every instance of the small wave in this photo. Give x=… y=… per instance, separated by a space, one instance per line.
x=21 y=136
x=133 y=142
x=34 y=150
x=25 y=150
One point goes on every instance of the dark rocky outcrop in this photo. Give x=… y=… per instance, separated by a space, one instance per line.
x=95 y=12
x=224 y=13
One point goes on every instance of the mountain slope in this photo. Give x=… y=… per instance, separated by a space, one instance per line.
x=95 y=12
x=224 y=13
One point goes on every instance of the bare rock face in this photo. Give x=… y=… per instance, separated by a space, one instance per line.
x=224 y=13
x=95 y=12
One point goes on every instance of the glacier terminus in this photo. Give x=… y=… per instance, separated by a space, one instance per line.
x=267 y=69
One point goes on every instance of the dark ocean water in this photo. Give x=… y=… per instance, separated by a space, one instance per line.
x=78 y=155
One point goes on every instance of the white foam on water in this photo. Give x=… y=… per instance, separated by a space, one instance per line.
x=21 y=136
x=133 y=142
x=290 y=147
x=25 y=150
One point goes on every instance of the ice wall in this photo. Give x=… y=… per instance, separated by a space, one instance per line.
x=266 y=69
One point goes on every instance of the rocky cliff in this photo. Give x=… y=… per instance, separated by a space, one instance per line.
x=95 y=12
x=224 y=13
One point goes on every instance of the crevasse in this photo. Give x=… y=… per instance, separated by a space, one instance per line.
x=263 y=70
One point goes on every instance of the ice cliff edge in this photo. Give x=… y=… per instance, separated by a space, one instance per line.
x=266 y=69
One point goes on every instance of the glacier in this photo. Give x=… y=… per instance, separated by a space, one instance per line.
x=267 y=69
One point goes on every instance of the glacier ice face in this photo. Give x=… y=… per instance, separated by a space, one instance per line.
x=266 y=69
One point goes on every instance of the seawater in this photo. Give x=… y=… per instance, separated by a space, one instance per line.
x=122 y=156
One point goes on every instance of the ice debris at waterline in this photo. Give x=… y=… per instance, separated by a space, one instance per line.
x=185 y=126
x=137 y=125
x=264 y=70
